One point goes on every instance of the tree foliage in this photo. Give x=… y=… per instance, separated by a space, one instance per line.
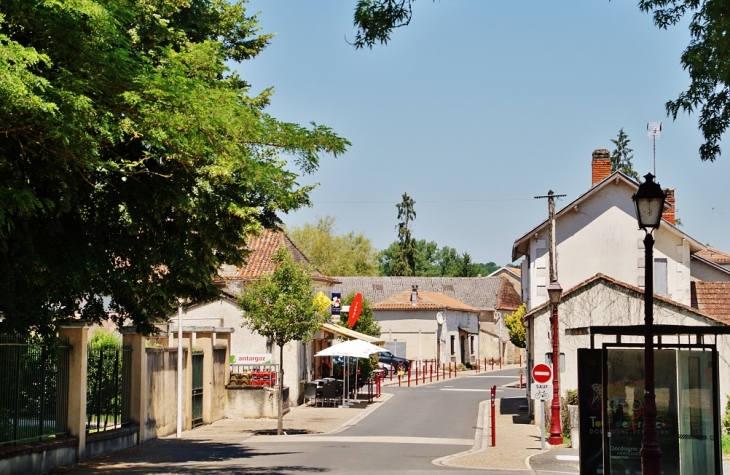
x=133 y=162
x=516 y=327
x=404 y=260
x=336 y=255
x=621 y=156
x=705 y=58
x=432 y=261
x=280 y=307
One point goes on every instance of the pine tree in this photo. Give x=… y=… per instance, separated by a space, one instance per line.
x=621 y=156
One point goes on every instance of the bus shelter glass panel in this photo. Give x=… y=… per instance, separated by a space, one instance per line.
x=624 y=406
x=697 y=417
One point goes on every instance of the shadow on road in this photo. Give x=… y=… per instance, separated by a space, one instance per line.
x=196 y=457
x=512 y=406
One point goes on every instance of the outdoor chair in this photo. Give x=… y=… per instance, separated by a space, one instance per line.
x=329 y=392
x=311 y=391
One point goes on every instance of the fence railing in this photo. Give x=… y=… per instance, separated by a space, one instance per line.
x=33 y=389
x=108 y=387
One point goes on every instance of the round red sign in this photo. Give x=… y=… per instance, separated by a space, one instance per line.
x=542 y=373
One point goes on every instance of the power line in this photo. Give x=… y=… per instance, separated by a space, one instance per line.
x=422 y=201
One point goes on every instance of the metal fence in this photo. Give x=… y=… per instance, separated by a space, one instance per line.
x=254 y=375
x=108 y=387
x=33 y=389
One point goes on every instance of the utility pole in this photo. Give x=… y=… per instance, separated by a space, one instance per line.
x=551 y=233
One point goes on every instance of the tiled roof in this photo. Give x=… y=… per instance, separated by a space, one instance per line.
x=507 y=298
x=712 y=298
x=577 y=289
x=426 y=300
x=478 y=292
x=715 y=255
x=261 y=249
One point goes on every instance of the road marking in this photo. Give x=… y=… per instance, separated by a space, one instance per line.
x=471 y=390
x=363 y=439
x=568 y=458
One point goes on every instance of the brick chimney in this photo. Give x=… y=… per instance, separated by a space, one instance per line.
x=414 y=295
x=670 y=213
x=601 y=165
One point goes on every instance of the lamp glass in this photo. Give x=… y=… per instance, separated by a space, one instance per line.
x=554 y=291
x=649 y=203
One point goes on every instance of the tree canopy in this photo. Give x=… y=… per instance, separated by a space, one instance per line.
x=404 y=259
x=336 y=255
x=621 y=156
x=432 y=261
x=133 y=162
x=516 y=327
x=366 y=322
x=705 y=58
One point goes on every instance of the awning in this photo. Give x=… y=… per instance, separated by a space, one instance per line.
x=468 y=330
x=352 y=334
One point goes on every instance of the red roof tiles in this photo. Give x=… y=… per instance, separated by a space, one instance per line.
x=426 y=300
x=712 y=298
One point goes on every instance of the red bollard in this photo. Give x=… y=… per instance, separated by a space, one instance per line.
x=416 y=376
x=409 y=376
x=492 y=364
x=520 y=359
x=443 y=370
x=494 y=428
x=500 y=361
x=430 y=372
x=449 y=369
x=520 y=379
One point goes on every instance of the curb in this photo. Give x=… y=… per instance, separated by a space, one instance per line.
x=480 y=442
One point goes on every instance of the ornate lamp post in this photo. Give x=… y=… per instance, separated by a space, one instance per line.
x=649 y=204
x=556 y=432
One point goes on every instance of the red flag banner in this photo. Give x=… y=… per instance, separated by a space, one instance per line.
x=355 y=310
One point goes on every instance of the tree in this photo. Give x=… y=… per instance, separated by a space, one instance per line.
x=279 y=307
x=704 y=58
x=337 y=255
x=432 y=261
x=405 y=258
x=133 y=162
x=621 y=156
x=516 y=327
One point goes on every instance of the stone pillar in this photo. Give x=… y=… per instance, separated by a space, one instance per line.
x=139 y=403
x=78 y=339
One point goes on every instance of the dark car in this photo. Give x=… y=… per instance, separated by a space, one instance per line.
x=389 y=362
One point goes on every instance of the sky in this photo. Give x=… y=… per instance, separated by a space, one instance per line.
x=477 y=107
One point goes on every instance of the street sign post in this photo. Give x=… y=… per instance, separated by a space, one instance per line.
x=541 y=390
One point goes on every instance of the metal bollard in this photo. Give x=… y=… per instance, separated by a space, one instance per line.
x=494 y=428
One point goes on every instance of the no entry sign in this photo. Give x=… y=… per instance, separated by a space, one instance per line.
x=542 y=373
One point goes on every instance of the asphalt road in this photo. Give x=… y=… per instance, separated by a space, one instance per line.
x=415 y=427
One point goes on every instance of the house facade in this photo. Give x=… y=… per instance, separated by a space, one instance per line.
x=600 y=260
x=493 y=297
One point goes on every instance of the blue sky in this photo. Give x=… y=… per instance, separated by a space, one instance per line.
x=477 y=107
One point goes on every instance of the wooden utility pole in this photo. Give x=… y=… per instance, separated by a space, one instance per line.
x=551 y=233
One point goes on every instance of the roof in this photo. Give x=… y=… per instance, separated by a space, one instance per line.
x=521 y=245
x=259 y=261
x=426 y=301
x=714 y=255
x=478 y=292
x=602 y=278
x=350 y=333
x=507 y=298
x=718 y=267
x=514 y=272
x=712 y=298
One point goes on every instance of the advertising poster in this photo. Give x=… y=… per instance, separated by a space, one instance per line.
x=336 y=303
x=590 y=399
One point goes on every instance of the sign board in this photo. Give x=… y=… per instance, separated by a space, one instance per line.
x=251 y=358
x=541 y=391
x=542 y=373
x=336 y=296
x=355 y=309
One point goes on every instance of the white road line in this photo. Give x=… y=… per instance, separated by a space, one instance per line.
x=568 y=458
x=471 y=390
x=364 y=439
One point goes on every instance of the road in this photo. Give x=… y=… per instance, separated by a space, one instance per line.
x=414 y=428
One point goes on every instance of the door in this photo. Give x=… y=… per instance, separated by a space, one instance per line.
x=197 y=405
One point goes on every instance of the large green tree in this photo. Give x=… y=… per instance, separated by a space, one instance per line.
x=404 y=262
x=621 y=156
x=337 y=255
x=133 y=162
x=705 y=58
x=516 y=327
x=280 y=307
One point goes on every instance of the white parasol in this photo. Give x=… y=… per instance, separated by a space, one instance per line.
x=351 y=348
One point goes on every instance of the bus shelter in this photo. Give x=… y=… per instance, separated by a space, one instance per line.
x=611 y=398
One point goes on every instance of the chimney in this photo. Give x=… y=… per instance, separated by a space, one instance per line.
x=670 y=213
x=601 y=165
x=414 y=295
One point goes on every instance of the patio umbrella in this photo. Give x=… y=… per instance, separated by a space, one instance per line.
x=350 y=348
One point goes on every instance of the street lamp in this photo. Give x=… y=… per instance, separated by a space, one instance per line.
x=649 y=204
x=556 y=433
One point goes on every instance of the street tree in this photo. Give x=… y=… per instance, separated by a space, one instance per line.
x=621 y=156
x=705 y=57
x=516 y=327
x=404 y=263
x=133 y=161
x=280 y=307
x=336 y=255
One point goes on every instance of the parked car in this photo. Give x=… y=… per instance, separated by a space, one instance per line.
x=388 y=362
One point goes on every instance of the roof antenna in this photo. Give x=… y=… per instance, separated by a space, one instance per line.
x=654 y=131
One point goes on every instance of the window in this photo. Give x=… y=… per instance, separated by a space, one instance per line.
x=471 y=344
x=660 y=277
x=453 y=345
